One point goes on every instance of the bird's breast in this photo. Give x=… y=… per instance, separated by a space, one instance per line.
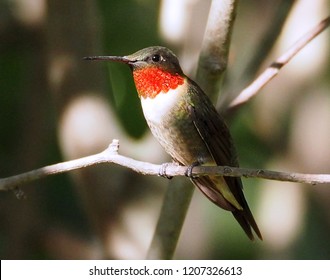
x=157 y=109
x=170 y=123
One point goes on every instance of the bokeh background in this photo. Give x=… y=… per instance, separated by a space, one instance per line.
x=55 y=107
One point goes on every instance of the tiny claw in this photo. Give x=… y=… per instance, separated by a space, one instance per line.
x=20 y=195
x=190 y=168
x=162 y=171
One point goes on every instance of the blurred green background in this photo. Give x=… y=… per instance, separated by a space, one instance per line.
x=55 y=107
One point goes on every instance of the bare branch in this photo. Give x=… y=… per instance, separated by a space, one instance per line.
x=166 y=235
x=214 y=54
x=275 y=67
x=110 y=155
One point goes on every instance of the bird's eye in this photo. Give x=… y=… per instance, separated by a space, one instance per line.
x=156 y=58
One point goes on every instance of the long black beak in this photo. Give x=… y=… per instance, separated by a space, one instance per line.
x=109 y=58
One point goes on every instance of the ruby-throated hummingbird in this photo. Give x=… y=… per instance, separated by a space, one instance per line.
x=185 y=122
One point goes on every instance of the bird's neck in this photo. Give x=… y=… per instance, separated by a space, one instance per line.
x=150 y=81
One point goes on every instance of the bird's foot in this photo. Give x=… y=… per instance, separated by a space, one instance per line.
x=190 y=168
x=162 y=170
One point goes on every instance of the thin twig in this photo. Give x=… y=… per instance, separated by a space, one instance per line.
x=267 y=41
x=259 y=54
x=110 y=155
x=275 y=67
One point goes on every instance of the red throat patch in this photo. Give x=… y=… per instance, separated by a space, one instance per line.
x=151 y=80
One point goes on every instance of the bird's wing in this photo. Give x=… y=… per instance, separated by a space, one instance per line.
x=215 y=134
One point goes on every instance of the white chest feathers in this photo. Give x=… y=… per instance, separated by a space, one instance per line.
x=157 y=108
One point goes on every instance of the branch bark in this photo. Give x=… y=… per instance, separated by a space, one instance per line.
x=111 y=155
x=214 y=54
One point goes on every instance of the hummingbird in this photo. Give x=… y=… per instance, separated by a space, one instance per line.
x=186 y=124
